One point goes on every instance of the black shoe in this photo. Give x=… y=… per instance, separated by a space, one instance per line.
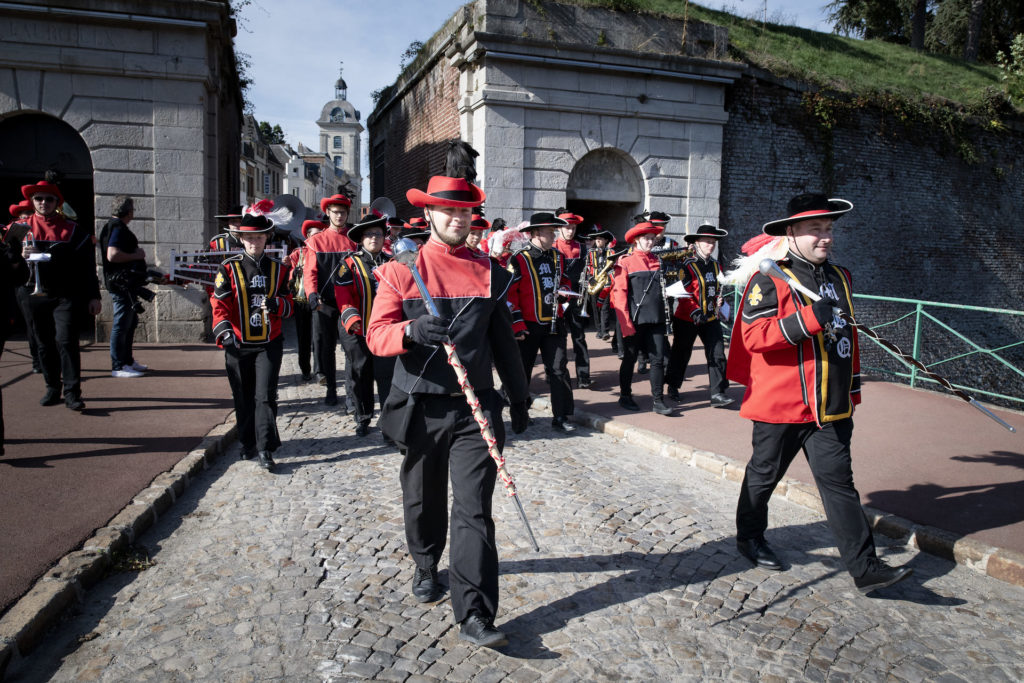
x=628 y=403
x=561 y=424
x=479 y=632
x=673 y=394
x=362 y=429
x=331 y=400
x=425 y=587
x=50 y=398
x=306 y=377
x=265 y=461
x=387 y=439
x=660 y=408
x=247 y=453
x=74 y=402
x=721 y=401
x=642 y=369
x=881 y=575
x=759 y=552
x=584 y=382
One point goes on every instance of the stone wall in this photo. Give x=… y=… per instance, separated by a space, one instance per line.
x=153 y=93
x=926 y=224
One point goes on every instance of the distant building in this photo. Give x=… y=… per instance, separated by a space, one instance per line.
x=260 y=170
x=340 y=143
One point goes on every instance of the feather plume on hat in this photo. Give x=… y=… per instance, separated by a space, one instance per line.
x=509 y=239
x=461 y=160
x=265 y=208
x=755 y=250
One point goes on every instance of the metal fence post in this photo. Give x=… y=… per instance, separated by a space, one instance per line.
x=917 y=343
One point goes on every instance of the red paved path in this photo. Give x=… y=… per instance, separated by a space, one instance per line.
x=65 y=474
x=925 y=456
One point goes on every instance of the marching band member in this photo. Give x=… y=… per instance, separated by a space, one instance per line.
x=597 y=261
x=640 y=307
x=303 y=314
x=574 y=252
x=226 y=241
x=250 y=299
x=69 y=284
x=477 y=226
x=662 y=242
x=324 y=253
x=13 y=273
x=800 y=363
x=428 y=416
x=538 y=272
x=19 y=212
x=395 y=227
x=354 y=290
x=698 y=316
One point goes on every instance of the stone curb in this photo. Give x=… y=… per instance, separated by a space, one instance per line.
x=27 y=620
x=999 y=563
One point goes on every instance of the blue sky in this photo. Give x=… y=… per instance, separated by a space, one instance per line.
x=296 y=48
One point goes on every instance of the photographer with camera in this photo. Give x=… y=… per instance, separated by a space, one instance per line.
x=124 y=274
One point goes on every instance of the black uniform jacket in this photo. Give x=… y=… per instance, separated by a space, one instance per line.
x=355 y=287
x=241 y=285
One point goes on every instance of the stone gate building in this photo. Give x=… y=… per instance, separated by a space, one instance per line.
x=122 y=97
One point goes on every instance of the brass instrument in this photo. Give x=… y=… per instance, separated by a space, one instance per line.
x=33 y=262
x=554 y=294
x=299 y=288
x=601 y=278
x=664 y=299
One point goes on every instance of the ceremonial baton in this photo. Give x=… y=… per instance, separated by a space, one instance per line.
x=405 y=252
x=770 y=268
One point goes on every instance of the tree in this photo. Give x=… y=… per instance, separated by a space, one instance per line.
x=872 y=19
x=974 y=14
x=918 y=22
x=272 y=135
x=997 y=22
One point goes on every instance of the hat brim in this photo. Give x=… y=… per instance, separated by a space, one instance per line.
x=837 y=207
x=633 y=233
x=29 y=191
x=249 y=230
x=355 y=233
x=690 y=239
x=533 y=226
x=421 y=199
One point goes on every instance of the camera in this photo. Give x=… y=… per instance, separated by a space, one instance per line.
x=133 y=283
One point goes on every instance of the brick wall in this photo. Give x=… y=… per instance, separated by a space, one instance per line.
x=926 y=224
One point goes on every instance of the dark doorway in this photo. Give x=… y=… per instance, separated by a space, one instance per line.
x=31 y=145
x=616 y=217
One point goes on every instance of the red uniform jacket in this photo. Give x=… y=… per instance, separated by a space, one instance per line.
x=636 y=291
x=537 y=275
x=794 y=369
x=241 y=285
x=469 y=289
x=324 y=253
x=700 y=277
x=71 y=270
x=355 y=288
x=596 y=260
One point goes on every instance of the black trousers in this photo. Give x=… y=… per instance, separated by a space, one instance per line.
x=443 y=438
x=684 y=333
x=556 y=363
x=604 y=318
x=326 y=329
x=651 y=338
x=362 y=370
x=304 y=335
x=52 y=321
x=576 y=324
x=253 y=371
x=828 y=454
x=22 y=295
x=617 y=345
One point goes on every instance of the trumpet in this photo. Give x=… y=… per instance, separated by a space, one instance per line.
x=33 y=261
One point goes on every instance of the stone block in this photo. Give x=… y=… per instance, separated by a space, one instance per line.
x=542 y=118
x=179 y=161
x=174 y=303
x=8 y=101
x=168 y=331
x=56 y=93
x=117 y=135
x=139 y=112
x=709 y=462
x=111 y=182
x=179 y=184
x=539 y=200
x=180 y=42
x=506 y=117
x=609 y=130
x=936 y=541
x=140 y=160
x=30 y=88
x=540 y=78
x=645 y=438
x=77 y=59
x=970 y=552
x=191 y=208
x=106 y=540
x=158 y=499
x=703 y=132
x=735 y=472
x=548 y=159
x=91 y=85
x=545 y=180
x=27 y=620
x=109 y=111
x=109 y=159
x=804 y=494
x=680 y=451
x=175 y=483
x=166 y=208
x=502 y=75
x=664 y=186
x=108 y=37
x=1005 y=565
x=191 y=115
x=133 y=520
x=191 y=465
x=82 y=567
x=184 y=92
x=681 y=149
x=648 y=128
x=713 y=95
x=178 y=137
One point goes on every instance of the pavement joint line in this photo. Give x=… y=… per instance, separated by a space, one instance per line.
x=26 y=622
x=999 y=563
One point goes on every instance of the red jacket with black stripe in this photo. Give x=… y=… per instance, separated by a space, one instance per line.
x=701 y=281
x=324 y=253
x=355 y=288
x=795 y=369
x=241 y=285
x=537 y=275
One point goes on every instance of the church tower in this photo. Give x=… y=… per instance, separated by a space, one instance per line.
x=339 y=139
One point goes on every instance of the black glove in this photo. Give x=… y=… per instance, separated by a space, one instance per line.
x=823 y=310
x=429 y=330
x=314 y=301
x=698 y=318
x=227 y=337
x=519 y=415
x=273 y=304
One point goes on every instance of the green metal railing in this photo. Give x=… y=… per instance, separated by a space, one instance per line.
x=920 y=314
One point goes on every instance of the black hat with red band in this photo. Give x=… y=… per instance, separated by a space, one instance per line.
x=706 y=230
x=805 y=207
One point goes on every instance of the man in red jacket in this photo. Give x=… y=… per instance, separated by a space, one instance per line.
x=426 y=413
x=800 y=363
x=324 y=253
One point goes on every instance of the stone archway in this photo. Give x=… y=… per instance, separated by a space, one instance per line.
x=606 y=186
x=32 y=144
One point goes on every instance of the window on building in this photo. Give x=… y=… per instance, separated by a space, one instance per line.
x=337 y=142
x=337 y=163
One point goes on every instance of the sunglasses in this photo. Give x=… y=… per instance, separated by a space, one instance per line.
x=44 y=198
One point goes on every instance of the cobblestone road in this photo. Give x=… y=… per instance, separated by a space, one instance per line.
x=302 y=575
